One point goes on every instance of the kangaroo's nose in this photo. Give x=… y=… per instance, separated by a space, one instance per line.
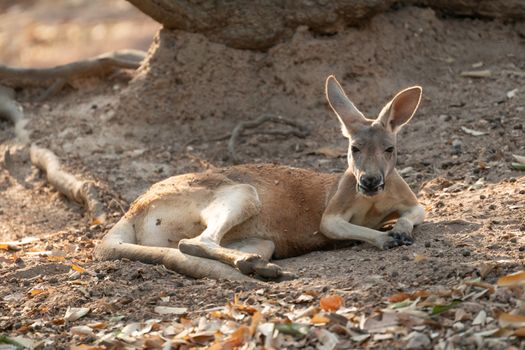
x=371 y=183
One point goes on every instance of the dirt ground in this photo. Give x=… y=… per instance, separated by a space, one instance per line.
x=129 y=130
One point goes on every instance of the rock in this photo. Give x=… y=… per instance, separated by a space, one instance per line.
x=418 y=340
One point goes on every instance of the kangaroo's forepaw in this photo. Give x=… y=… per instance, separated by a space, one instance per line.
x=401 y=238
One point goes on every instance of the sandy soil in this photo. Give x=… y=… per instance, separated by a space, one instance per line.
x=133 y=129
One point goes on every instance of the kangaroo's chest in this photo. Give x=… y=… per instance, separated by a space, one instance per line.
x=372 y=212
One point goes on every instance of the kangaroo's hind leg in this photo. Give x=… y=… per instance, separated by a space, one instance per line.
x=230 y=206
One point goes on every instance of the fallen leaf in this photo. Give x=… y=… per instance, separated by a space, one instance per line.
x=476 y=73
x=519 y=159
x=78 y=268
x=419 y=258
x=82 y=330
x=398 y=297
x=327 y=339
x=518 y=166
x=331 y=302
x=510 y=320
x=480 y=319
x=56 y=258
x=37 y=291
x=237 y=339
x=511 y=93
x=304 y=298
x=479 y=284
x=319 y=319
x=381 y=323
x=417 y=340
x=7 y=340
x=514 y=279
x=86 y=347
x=74 y=313
x=437 y=309
x=473 y=132
x=520 y=332
x=4 y=246
x=167 y=310
x=298 y=329
x=256 y=319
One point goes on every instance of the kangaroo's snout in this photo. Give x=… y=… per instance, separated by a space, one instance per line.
x=370 y=185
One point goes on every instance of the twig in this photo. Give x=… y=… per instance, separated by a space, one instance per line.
x=301 y=132
x=99 y=65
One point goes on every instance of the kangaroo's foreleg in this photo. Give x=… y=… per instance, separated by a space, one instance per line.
x=338 y=228
x=403 y=228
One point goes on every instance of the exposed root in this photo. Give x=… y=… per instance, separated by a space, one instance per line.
x=99 y=65
x=299 y=131
x=82 y=192
x=57 y=76
x=13 y=112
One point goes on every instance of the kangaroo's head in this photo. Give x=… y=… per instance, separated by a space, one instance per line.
x=372 y=148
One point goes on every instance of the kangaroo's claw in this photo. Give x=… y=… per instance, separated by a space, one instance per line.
x=401 y=238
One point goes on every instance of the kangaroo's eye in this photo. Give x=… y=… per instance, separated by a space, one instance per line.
x=389 y=150
x=355 y=149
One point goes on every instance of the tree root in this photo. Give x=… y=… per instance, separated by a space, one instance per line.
x=301 y=131
x=82 y=192
x=13 y=112
x=99 y=65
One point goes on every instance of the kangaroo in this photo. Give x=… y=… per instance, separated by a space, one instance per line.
x=229 y=223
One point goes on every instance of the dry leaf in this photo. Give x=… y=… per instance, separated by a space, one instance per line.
x=167 y=310
x=473 y=132
x=304 y=298
x=56 y=258
x=520 y=332
x=331 y=302
x=485 y=285
x=237 y=339
x=256 y=319
x=82 y=330
x=74 y=313
x=78 y=268
x=327 y=339
x=519 y=159
x=319 y=319
x=380 y=323
x=514 y=279
x=419 y=258
x=476 y=73
x=4 y=246
x=510 y=320
x=37 y=291
x=398 y=297
x=480 y=319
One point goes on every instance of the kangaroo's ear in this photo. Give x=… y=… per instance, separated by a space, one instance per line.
x=400 y=110
x=351 y=118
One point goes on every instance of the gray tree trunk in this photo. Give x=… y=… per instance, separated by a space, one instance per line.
x=258 y=25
